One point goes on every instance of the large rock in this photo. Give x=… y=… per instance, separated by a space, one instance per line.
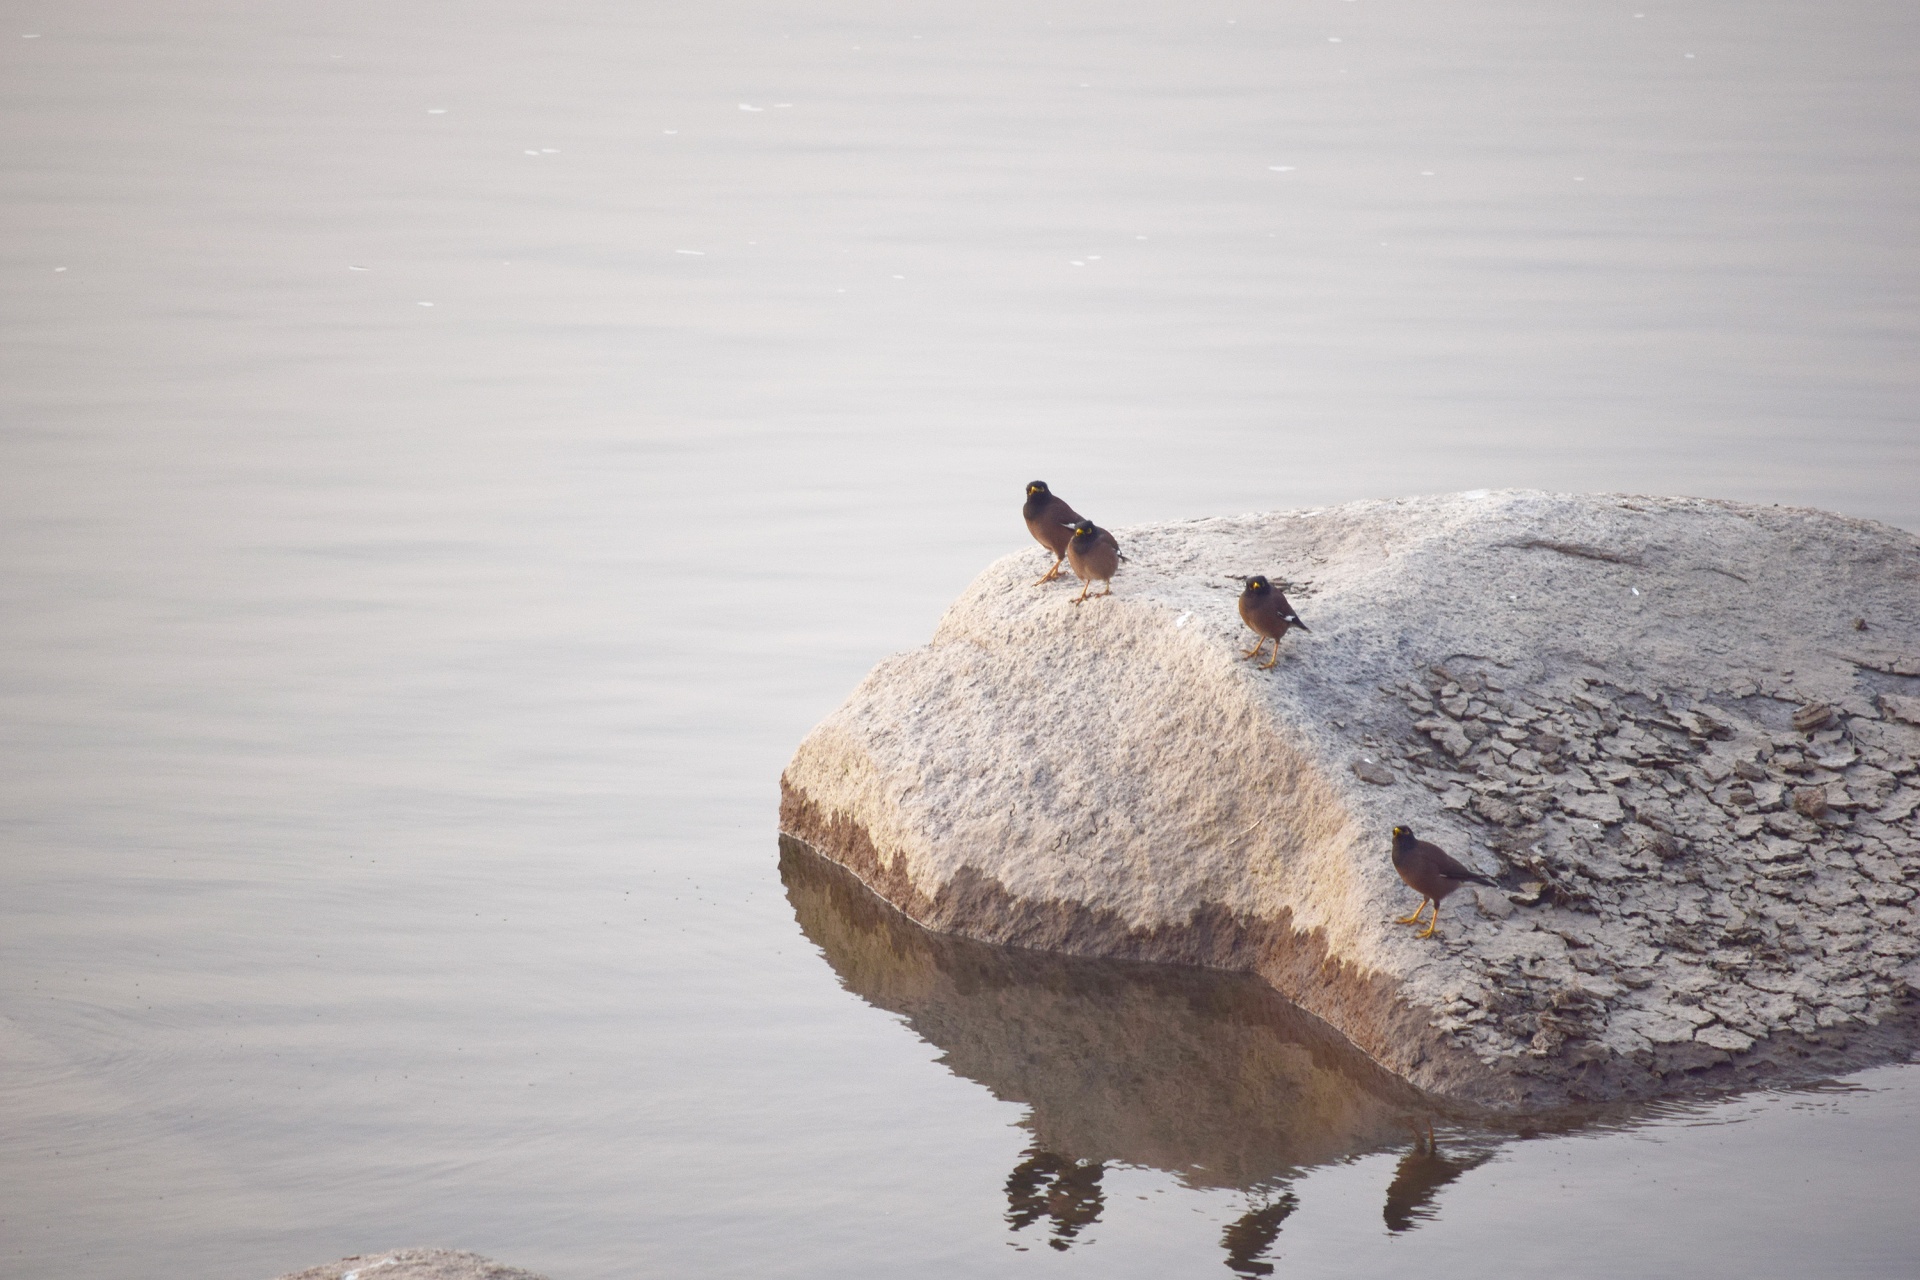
x=1681 y=733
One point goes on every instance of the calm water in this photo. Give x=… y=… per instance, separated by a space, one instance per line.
x=393 y=695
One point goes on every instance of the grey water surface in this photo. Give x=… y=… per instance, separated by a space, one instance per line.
x=451 y=453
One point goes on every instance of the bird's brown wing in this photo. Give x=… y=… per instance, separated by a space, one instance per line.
x=1444 y=863
x=1258 y=612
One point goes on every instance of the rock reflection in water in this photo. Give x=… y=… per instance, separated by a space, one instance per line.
x=1209 y=1076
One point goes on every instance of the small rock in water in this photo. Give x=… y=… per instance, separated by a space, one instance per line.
x=414 y=1264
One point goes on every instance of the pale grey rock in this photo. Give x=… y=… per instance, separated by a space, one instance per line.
x=1901 y=708
x=1598 y=806
x=1724 y=1037
x=1448 y=734
x=1368 y=769
x=1900 y=805
x=1834 y=756
x=1492 y=902
x=414 y=1264
x=1112 y=778
x=1658 y=1026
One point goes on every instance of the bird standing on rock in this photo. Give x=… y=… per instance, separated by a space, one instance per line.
x=1095 y=557
x=1051 y=522
x=1429 y=871
x=1264 y=607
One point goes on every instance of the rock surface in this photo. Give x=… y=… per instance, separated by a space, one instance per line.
x=1684 y=735
x=414 y=1264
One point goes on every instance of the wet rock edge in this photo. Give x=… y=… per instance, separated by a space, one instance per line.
x=1363 y=1007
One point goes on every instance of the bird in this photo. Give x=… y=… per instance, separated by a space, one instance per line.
x=1050 y=520
x=1264 y=607
x=1428 y=870
x=1095 y=557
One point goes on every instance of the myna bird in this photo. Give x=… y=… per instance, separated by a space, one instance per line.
x=1429 y=871
x=1051 y=522
x=1095 y=557
x=1264 y=607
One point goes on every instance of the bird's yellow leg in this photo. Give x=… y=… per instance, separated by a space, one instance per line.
x=1050 y=574
x=1415 y=917
x=1259 y=643
x=1275 y=658
x=1084 y=588
x=1432 y=922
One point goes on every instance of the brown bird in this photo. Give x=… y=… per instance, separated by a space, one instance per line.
x=1429 y=871
x=1051 y=522
x=1095 y=557
x=1264 y=607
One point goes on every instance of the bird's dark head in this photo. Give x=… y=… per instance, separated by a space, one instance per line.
x=1084 y=529
x=1038 y=489
x=1402 y=837
x=1257 y=585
